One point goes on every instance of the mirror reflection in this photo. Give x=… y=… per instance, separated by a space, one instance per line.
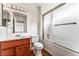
x=14 y=21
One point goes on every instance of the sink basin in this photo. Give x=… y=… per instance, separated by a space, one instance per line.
x=13 y=36
x=18 y=35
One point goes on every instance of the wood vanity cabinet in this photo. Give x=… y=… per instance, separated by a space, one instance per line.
x=24 y=50
x=20 y=47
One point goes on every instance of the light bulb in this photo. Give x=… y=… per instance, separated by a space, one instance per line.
x=22 y=9
x=25 y=9
x=14 y=6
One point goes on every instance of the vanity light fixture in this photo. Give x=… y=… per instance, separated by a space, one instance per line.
x=15 y=7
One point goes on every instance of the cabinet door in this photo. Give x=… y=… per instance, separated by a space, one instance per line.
x=23 y=50
x=7 y=52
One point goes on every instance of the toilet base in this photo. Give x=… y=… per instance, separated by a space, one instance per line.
x=37 y=53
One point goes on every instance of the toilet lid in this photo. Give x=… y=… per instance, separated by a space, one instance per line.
x=38 y=44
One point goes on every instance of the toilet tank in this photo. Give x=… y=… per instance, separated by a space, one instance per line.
x=35 y=38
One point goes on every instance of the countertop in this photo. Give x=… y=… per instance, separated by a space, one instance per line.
x=8 y=39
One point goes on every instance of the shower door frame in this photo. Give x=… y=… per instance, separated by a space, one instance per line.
x=50 y=11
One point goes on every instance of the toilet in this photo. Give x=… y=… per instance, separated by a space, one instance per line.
x=37 y=46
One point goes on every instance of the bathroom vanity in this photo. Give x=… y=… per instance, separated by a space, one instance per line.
x=18 y=47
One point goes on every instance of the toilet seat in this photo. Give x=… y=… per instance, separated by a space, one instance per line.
x=38 y=44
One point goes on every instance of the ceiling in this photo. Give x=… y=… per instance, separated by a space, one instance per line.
x=37 y=4
x=44 y=6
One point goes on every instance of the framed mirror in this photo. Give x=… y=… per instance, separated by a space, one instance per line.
x=14 y=20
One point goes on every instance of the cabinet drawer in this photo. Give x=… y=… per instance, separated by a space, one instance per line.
x=7 y=52
x=22 y=42
x=6 y=45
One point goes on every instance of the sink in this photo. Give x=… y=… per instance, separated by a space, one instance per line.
x=18 y=35
x=13 y=36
